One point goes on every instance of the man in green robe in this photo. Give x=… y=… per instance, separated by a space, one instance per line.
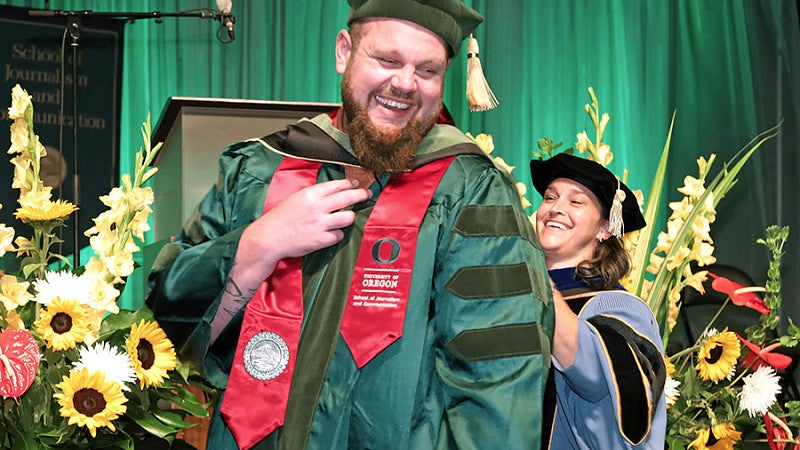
x=467 y=367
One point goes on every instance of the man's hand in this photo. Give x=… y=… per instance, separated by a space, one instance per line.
x=308 y=220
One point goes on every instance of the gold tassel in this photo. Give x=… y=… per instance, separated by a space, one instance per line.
x=616 y=225
x=479 y=94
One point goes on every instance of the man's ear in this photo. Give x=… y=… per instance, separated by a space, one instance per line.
x=344 y=45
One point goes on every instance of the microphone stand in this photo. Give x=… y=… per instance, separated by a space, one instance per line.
x=74 y=28
x=74 y=24
x=129 y=16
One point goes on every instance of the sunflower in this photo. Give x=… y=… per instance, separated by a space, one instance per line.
x=151 y=352
x=90 y=400
x=63 y=324
x=669 y=366
x=717 y=357
x=45 y=212
x=719 y=437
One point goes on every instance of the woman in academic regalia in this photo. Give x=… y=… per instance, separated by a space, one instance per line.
x=609 y=371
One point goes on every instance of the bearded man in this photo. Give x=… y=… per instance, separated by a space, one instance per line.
x=395 y=293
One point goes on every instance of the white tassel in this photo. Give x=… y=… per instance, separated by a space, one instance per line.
x=479 y=94
x=616 y=226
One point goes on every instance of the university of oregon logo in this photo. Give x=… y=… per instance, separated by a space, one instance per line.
x=385 y=251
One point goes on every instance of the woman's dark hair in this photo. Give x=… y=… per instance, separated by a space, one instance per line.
x=609 y=264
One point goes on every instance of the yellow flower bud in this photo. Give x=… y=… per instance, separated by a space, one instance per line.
x=20 y=101
x=692 y=186
x=484 y=141
x=584 y=144
x=6 y=239
x=13 y=293
x=501 y=164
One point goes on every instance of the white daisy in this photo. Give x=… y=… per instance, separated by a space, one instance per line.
x=101 y=357
x=65 y=285
x=730 y=375
x=759 y=391
x=671 y=391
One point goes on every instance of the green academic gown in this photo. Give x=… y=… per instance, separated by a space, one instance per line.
x=470 y=368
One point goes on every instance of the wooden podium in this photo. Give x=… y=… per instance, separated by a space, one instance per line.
x=194 y=132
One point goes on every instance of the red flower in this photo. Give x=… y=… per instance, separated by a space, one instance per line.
x=740 y=295
x=759 y=356
x=778 y=434
x=19 y=360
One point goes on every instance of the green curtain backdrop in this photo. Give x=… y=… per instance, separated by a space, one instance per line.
x=727 y=68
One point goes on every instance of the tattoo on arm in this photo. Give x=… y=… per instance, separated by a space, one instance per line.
x=237 y=298
x=232 y=288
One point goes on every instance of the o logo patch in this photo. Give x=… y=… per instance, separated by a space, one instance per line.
x=385 y=251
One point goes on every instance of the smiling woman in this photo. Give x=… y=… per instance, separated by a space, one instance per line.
x=584 y=205
x=566 y=206
x=608 y=389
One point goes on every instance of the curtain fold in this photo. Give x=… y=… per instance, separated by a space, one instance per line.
x=728 y=69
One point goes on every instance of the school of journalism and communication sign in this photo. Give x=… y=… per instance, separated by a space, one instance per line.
x=74 y=79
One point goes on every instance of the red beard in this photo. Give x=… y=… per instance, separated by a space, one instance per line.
x=377 y=150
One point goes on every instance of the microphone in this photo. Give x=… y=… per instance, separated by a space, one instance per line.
x=225 y=17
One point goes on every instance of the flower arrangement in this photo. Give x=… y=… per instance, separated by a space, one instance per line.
x=724 y=388
x=75 y=370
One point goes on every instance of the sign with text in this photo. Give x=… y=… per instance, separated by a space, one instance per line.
x=71 y=65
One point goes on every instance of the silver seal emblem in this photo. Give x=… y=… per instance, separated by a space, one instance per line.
x=266 y=356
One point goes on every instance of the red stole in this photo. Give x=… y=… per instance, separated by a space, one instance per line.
x=255 y=401
x=376 y=305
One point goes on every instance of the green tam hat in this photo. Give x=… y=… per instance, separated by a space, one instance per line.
x=449 y=19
